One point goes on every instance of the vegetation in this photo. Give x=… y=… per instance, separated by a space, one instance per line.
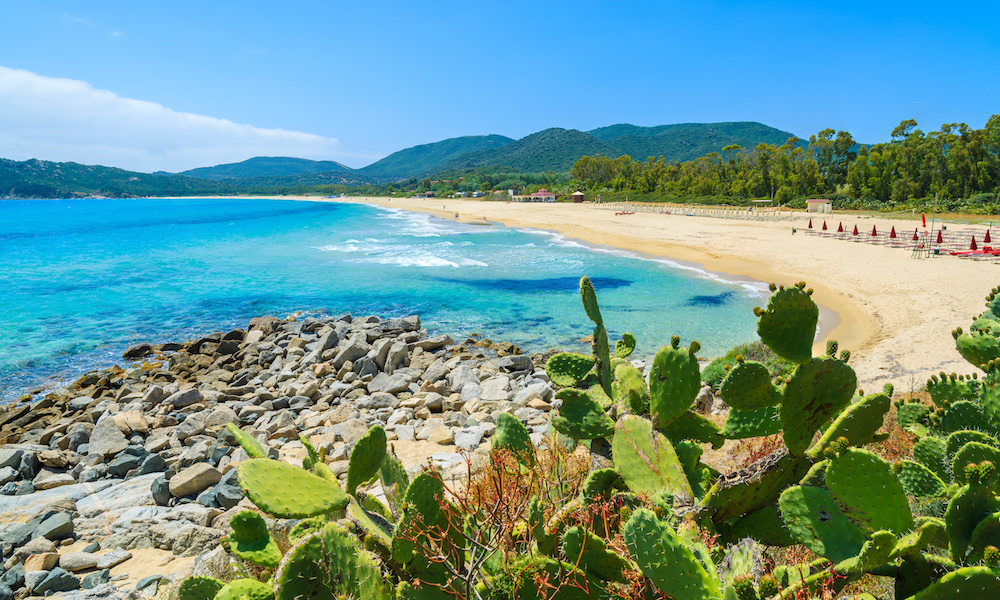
x=644 y=516
x=266 y=166
x=958 y=165
x=428 y=159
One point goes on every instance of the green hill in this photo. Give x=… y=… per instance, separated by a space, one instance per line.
x=686 y=141
x=267 y=166
x=425 y=159
x=549 y=150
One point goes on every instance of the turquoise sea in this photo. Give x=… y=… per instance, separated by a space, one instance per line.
x=81 y=280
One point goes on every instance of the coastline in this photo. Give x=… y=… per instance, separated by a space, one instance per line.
x=893 y=313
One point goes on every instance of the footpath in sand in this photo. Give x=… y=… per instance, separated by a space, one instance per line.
x=896 y=313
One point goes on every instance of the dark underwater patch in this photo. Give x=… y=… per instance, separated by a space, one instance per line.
x=709 y=300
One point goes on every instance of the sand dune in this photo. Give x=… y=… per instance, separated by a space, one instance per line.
x=895 y=313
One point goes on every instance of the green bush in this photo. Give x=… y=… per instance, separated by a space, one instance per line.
x=716 y=370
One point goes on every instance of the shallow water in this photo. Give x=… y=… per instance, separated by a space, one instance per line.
x=81 y=280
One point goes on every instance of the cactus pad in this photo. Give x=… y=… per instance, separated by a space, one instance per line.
x=584 y=548
x=423 y=515
x=302 y=572
x=251 y=541
x=567 y=369
x=858 y=424
x=625 y=346
x=580 y=417
x=589 y=297
x=366 y=458
x=978 y=348
x=512 y=436
x=755 y=486
x=917 y=480
x=600 y=485
x=865 y=488
x=966 y=510
x=244 y=589
x=199 y=588
x=972 y=452
x=788 y=325
x=629 y=389
x=970 y=583
x=815 y=521
x=693 y=426
x=963 y=415
x=268 y=483
x=817 y=391
x=394 y=479
x=674 y=382
x=748 y=386
x=741 y=424
x=932 y=453
x=910 y=414
x=246 y=441
x=646 y=460
x=666 y=560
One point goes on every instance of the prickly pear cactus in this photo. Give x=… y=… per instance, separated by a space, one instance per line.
x=267 y=483
x=366 y=458
x=587 y=550
x=815 y=521
x=976 y=347
x=674 y=382
x=567 y=369
x=512 y=436
x=629 y=389
x=580 y=417
x=748 y=387
x=247 y=442
x=199 y=588
x=244 y=589
x=858 y=424
x=788 y=325
x=666 y=560
x=625 y=346
x=866 y=490
x=251 y=541
x=917 y=480
x=646 y=460
x=817 y=391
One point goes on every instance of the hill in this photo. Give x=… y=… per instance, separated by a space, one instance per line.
x=426 y=159
x=548 y=150
x=267 y=166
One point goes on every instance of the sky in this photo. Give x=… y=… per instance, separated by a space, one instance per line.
x=170 y=86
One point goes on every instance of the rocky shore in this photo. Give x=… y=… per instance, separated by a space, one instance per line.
x=120 y=483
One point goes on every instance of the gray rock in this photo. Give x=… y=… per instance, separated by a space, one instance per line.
x=184 y=398
x=396 y=358
x=434 y=402
x=122 y=464
x=20 y=508
x=6 y=593
x=7 y=474
x=470 y=391
x=14 y=577
x=207 y=498
x=46 y=480
x=117 y=495
x=137 y=351
x=149 y=580
x=405 y=433
x=78 y=561
x=10 y=457
x=57 y=580
x=79 y=403
x=461 y=376
x=191 y=426
x=154 y=395
x=56 y=527
x=92 y=473
x=33 y=578
x=160 y=491
x=91 y=547
x=434 y=343
x=352 y=350
x=106 y=439
x=113 y=558
x=378 y=399
x=520 y=362
x=220 y=416
x=391 y=384
x=153 y=463
x=194 y=479
x=95 y=579
x=495 y=389
x=468 y=439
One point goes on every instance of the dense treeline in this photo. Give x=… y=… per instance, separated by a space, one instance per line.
x=957 y=162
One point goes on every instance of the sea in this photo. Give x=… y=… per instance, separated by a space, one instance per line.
x=81 y=280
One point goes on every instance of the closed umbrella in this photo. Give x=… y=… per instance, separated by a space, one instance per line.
x=874 y=231
x=914 y=235
x=892 y=234
x=973 y=246
x=840 y=228
x=810 y=223
x=855 y=230
x=824 y=225
x=986 y=238
x=940 y=238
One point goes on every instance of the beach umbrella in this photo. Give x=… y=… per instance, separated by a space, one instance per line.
x=855 y=230
x=973 y=246
x=810 y=223
x=923 y=219
x=824 y=225
x=874 y=231
x=840 y=228
x=986 y=238
x=914 y=234
x=940 y=238
x=892 y=234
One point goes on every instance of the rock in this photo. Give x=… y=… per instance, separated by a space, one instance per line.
x=95 y=579
x=354 y=349
x=160 y=490
x=122 y=464
x=6 y=593
x=220 y=416
x=57 y=580
x=518 y=362
x=194 y=479
x=183 y=398
x=153 y=463
x=468 y=439
x=10 y=457
x=46 y=480
x=191 y=426
x=495 y=389
x=137 y=351
x=41 y=562
x=56 y=527
x=441 y=435
x=396 y=358
x=405 y=433
x=130 y=422
x=434 y=343
x=33 y=578
x=53 y=459
x=113 y=558
x=434 y=402
x=378 y=399
x=38 y=545
x=78 y=561
x=149 y=580
x=106 y=439
x=7 y=474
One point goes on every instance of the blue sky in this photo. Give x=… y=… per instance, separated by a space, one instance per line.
x=175 y=85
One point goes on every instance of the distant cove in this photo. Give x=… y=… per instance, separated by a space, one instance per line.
x=80 y=280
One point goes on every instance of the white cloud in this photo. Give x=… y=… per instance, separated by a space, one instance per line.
x=69 y=120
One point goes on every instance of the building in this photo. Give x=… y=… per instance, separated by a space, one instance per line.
x=577 y=196
x=542 y=195
x=819 y=205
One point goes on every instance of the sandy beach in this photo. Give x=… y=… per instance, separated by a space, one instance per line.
x=894 y=313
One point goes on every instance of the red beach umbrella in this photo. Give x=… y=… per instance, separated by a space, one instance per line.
x=914 y=235
x=973 y=246
x=940 y=238
x=986 y=238
x=855 y=230
x=874 y=231
x=892 y=234
x=840 y=228
x=824 y=225
x=810 y=223
x=923 y=219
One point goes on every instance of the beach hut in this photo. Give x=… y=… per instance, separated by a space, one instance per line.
x=577 y=196
x=819 y=205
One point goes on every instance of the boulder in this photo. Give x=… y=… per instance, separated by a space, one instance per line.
x=10 y=457
x=106 y=439
x=194 y=479
x=78 y=561
x=57 y=580
x=7 y=474
x=184 y=398
x=44 y=561
x=46 y=480
x=55 y=527
x=113 y=558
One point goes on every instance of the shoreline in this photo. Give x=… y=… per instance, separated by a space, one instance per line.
x=894 y=313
